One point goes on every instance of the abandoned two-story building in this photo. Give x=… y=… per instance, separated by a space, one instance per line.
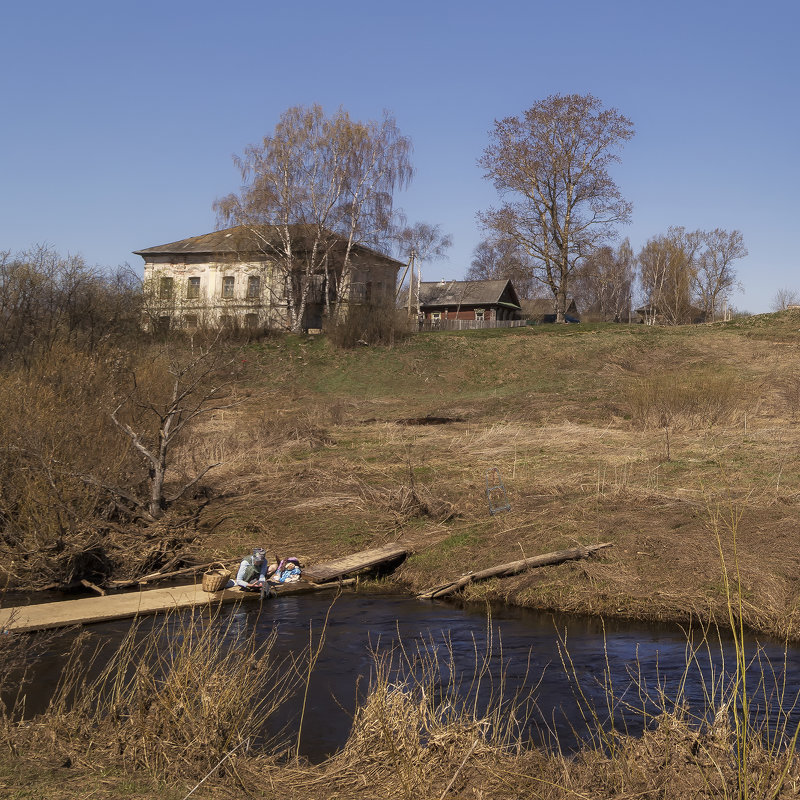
x=240 y=277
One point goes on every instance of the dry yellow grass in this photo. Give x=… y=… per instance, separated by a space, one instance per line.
x=606 y=433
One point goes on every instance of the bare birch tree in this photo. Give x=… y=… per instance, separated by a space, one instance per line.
x=667 y=273
x=715 y=275
x=311 y=193
x=681 y=268
x=415 y=244
x=551 y=164
x=604 y=283
x=784 y=298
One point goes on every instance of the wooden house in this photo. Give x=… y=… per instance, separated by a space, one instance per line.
x=475 y=301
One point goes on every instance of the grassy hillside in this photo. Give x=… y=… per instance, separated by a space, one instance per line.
x=650 y=438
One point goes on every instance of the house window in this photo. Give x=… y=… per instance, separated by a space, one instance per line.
x=436 y=315
x=193 y=288
x=479 y=314
x=226 y=321
x=251 y=320
x=165 y=288
x=254 y=286
x=190 y=320
x=162 y=325
x=227 y=286
x=357 y=292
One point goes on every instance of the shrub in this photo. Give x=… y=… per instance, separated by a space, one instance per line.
x=369 y=324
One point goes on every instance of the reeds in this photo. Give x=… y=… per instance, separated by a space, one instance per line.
x=173 y=700
x=426 y=720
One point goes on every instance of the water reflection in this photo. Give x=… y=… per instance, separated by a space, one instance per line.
x=568 y=663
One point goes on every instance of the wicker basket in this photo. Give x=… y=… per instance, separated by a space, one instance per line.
x=216 y=579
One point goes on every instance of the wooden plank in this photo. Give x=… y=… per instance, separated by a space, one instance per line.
x=86 y=610
x=154 y=601
x=355 y=563
x=513 y=568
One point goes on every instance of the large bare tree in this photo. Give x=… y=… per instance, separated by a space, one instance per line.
x=314 y=190
x=550 y=165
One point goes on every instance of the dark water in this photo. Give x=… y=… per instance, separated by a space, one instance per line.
x=529 y=648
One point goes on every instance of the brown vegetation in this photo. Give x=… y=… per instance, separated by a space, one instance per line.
x=186 y=720
x=611 y=433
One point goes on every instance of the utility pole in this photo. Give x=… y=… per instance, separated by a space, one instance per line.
x=410 y=271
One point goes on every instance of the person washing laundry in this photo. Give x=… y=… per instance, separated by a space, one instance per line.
x=254 y=571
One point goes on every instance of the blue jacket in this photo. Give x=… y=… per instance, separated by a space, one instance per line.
x=248 y=572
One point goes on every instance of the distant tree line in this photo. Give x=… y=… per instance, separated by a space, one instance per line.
x=47 y=298
x=559 y=213
x=677 y=277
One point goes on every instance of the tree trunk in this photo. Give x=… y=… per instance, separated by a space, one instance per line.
x=514 y=567
x=156 y=491
x=561 y=302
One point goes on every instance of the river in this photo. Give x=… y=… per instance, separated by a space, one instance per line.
x=528 y=649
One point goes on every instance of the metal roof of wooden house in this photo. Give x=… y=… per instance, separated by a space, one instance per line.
x=467 y=293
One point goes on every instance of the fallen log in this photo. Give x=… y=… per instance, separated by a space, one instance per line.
x=93 y=587
x=157 y=576
x=513 y=568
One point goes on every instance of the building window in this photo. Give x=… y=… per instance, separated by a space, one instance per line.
x=436 y=315
x=251 y=320
x=227 y=286
x=193 y=288
x=357 y=292
x=479 y=314
x=190 y=320
x=226 y=321
x=254 y=286
x=165 y=288
x=162 y=325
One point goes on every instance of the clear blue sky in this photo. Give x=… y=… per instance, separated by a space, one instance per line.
x=119 y=120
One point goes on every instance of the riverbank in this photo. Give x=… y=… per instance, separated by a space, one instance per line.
x=661 y=441
x=678 y=446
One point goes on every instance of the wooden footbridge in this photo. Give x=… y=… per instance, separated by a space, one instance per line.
x=153 y=601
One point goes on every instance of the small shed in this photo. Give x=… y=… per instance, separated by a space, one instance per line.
x=543 y=309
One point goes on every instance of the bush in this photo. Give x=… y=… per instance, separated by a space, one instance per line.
x=369 y=324
x=685 y=401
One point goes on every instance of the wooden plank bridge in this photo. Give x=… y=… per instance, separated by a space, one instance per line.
x=153 y=601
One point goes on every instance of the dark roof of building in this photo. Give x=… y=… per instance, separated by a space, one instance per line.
x=538 y=306
x=466 y=293
x=243 y=240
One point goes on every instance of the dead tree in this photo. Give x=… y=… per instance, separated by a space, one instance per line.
x=194 y=388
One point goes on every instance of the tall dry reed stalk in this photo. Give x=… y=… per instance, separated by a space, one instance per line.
x=771 y=739
x=424 y=717
x=173 y=700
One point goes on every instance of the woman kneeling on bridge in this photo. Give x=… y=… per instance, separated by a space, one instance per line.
x=254 y=571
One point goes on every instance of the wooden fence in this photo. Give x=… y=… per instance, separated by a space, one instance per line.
x=469 y=324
